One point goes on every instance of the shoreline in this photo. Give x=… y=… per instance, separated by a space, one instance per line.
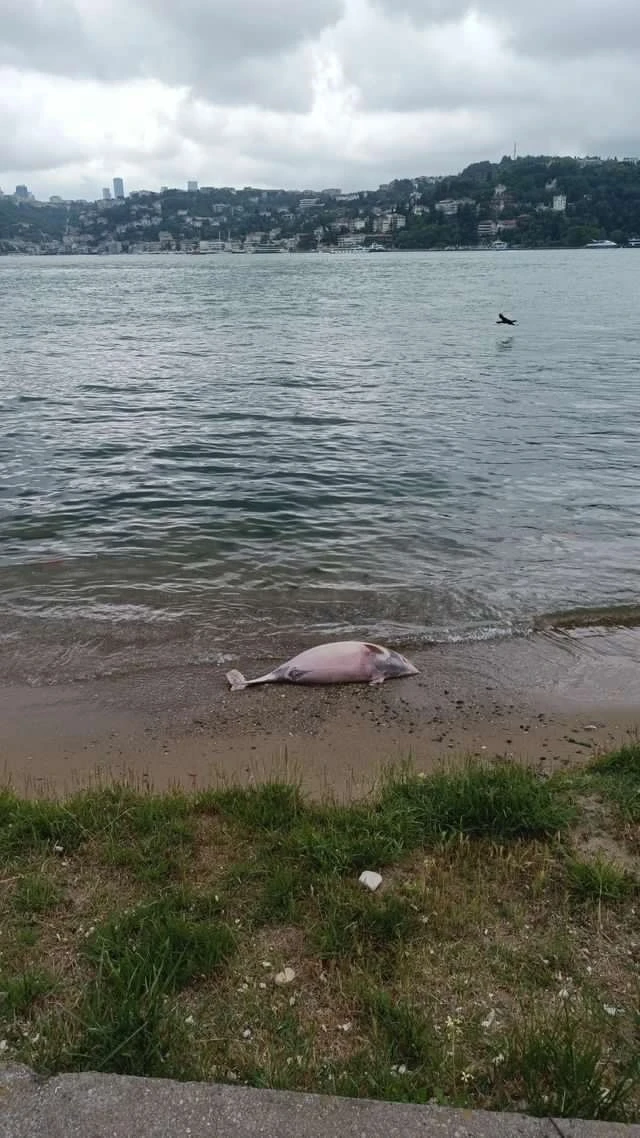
x=548 y=699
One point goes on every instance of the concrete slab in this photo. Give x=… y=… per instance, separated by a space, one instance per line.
x=112 y=1106
x=578 y=1128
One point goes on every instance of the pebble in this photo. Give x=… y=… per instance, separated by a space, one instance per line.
x=370 y=879
x=287 y=976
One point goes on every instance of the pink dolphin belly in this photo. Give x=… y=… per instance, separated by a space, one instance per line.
x=347 y=662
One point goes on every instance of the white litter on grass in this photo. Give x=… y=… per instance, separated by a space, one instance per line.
x=287 y=976
x=370 y=879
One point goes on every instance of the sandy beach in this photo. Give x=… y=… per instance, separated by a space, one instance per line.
x=549 y=699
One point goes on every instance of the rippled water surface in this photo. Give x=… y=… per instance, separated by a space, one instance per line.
x=206 y=456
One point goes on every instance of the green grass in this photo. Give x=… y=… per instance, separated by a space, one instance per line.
x=149 y=835
x=599 y=880
x=273 y=807
x=559 y=1065
x=142 y=934
x=347 y=922
x=504 y=802
x=141 y=959
x=27 y=826
x=36 y=894
x=19 y=993
x=618 y=776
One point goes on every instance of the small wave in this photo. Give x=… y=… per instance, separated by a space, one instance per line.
x=597 y=616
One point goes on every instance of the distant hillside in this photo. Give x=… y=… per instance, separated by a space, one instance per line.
x=532 y=202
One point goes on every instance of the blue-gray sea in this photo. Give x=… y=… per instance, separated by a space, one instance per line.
x=203 y=457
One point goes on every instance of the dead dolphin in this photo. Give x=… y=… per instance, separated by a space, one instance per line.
x=344 y=662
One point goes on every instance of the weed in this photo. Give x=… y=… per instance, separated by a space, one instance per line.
x=351 y=923
x=402 y=1028
x=618 y=776
x=27 y=825
x=141 y=959
x=503 y=802
x=599 y=880
x=159 y=944
x=274 y=807
x=35 y=895
x=280 y=898
x=19 y=993
x=560 y=1066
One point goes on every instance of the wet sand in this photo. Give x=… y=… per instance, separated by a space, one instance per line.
x=549 y=699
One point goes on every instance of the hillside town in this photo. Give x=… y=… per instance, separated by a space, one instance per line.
x=530 y=202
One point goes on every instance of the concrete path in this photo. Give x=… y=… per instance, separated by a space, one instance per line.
x=113 y=1106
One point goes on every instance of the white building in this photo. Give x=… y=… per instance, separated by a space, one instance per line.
x=212 y=246
x=559 y=203
x=447 y=206
x=487 y=229
x=389 y=223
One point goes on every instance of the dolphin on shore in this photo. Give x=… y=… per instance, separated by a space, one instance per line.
x=343 y=662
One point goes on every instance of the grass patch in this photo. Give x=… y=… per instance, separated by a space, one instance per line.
x=599 y=880
x=19 y=993
x=504 y=802
x=36 y=894
x=616 y=776
x=154 y=942
x=142 y=958
x=349 y=923
x=275 y=806
x=560 y=1067
x=162 y=944
x=147 y=834
x=38 y=825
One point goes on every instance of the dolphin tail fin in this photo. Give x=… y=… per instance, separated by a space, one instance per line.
x=236 y=680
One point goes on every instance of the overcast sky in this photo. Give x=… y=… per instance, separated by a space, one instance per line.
x=306 y=93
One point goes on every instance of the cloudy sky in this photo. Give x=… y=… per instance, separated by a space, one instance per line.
x=306 y=93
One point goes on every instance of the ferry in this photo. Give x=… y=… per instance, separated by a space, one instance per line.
x=601 y=245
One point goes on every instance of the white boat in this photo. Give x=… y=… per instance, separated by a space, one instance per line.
x=376 y=247
x=601 y=245
x=634 y=242
x=499 y=245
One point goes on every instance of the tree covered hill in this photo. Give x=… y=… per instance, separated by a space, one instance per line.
x=530 y=202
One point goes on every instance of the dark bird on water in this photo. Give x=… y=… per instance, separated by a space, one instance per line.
x=504 y=319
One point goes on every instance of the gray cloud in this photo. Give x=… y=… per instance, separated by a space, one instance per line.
x=573 y=28
x=278 y=92
x=242 y=51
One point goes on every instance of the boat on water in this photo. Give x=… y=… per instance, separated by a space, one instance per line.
x=601 y=245
x=634 y=242
x=499 y=245
x=376 y=247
